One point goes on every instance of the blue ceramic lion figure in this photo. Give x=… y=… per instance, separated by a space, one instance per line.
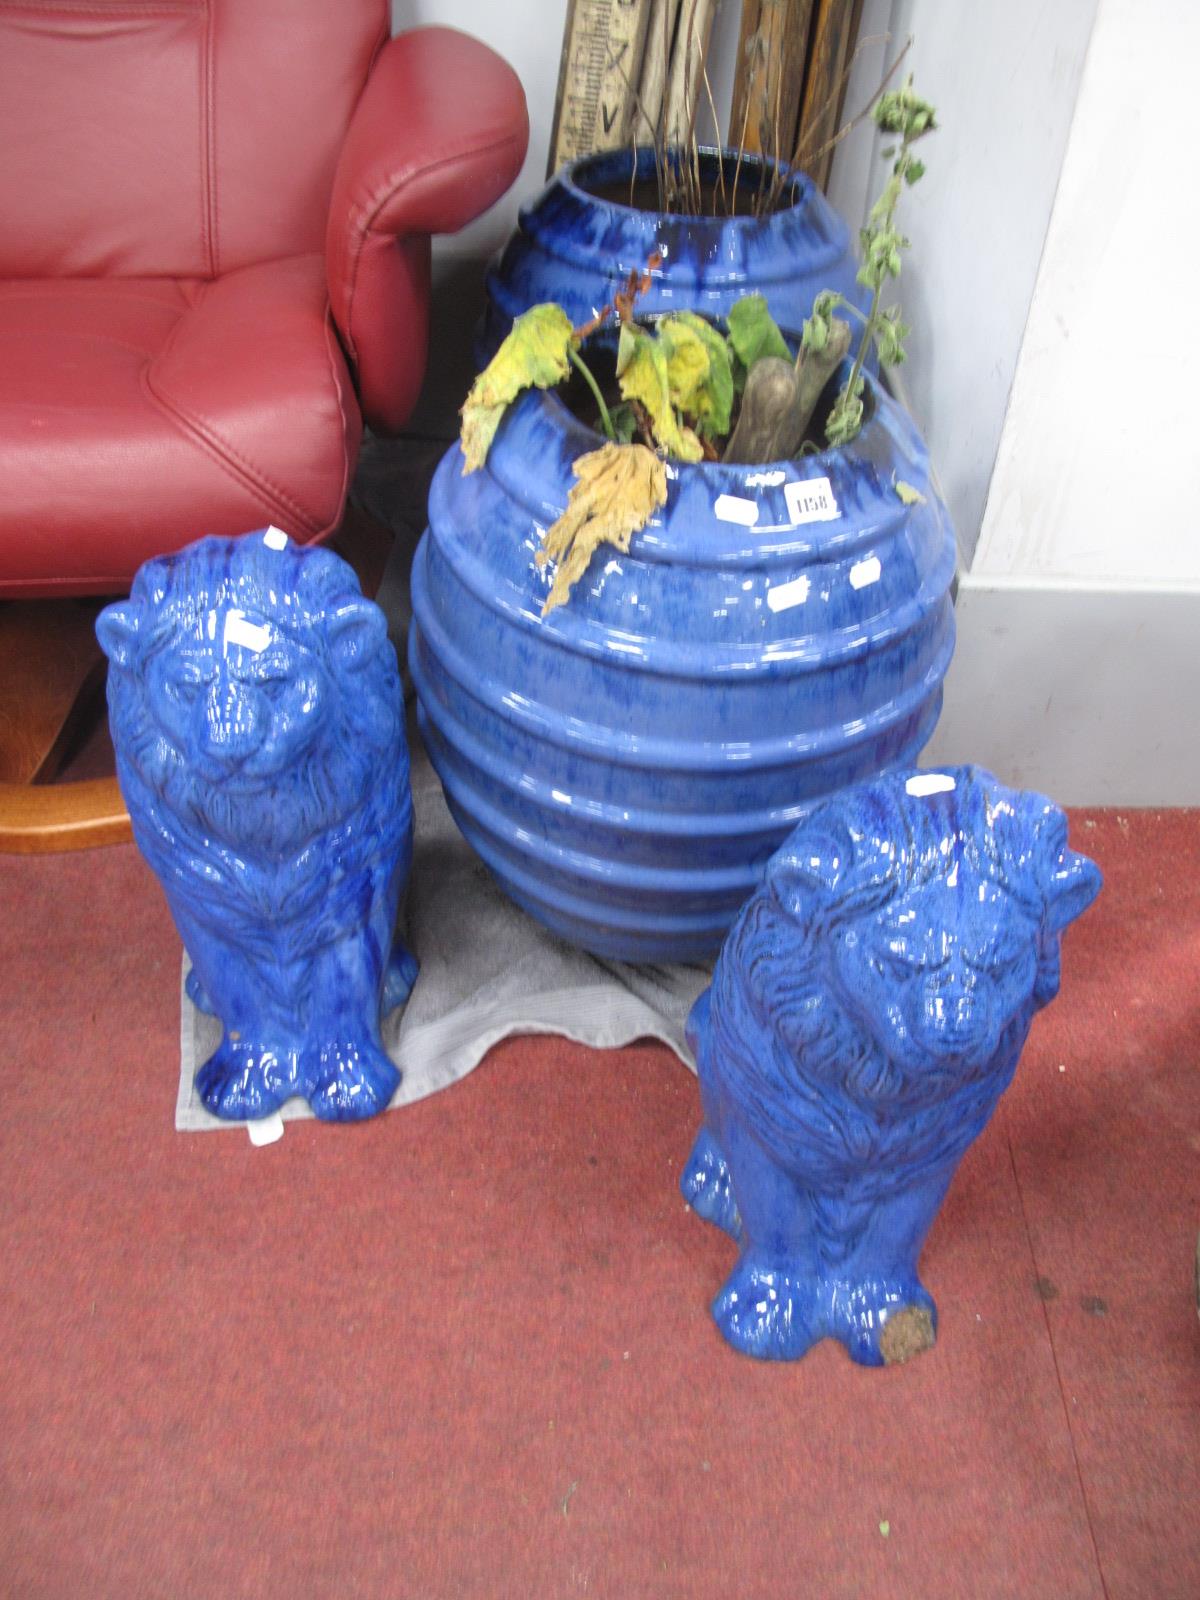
x=256 y=712
x=866 y=1013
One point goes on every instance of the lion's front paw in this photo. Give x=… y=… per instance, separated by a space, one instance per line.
x=706 y=1187
x=399 y=978
x=765 y=1313
x=242 y=1082
x=354 y=1080
x=886 y=1320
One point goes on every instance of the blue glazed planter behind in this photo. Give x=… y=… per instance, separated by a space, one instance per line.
x=577 y=249
x=627 y=765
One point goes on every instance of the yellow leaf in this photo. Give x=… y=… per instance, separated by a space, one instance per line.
x=909 y=495
x=642 y=372
x=687 y=361
x=534 y=356
x=698 y=370
x=616 y=489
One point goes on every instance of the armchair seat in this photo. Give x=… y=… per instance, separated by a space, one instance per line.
x=137 y=409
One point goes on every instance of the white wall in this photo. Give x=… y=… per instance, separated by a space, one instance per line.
x=528 y=34
x=1097 y=468
x=1077 y=668
x=1004 y=75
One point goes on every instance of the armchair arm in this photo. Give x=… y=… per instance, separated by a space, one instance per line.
x=438 y=135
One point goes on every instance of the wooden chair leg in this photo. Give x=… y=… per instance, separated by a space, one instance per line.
x=51 y=684
x=51 y=672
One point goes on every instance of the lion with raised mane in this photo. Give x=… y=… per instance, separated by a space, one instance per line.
x=256 y=712
x=865 y=1015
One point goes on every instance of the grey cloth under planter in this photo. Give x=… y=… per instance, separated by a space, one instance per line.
x=488 y=972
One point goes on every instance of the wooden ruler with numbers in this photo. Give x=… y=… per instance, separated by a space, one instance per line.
x=603 y=43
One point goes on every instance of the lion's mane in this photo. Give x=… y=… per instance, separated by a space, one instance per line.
x=817 y=1088
x=245 y=859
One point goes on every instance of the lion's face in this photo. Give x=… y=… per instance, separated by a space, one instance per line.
x=251 y=689
x=244 y=705
x=936 y=975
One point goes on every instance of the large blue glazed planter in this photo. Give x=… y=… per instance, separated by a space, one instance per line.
x=577 y=243
x=626 y=765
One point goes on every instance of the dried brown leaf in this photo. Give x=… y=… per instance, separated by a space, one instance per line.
x=616 y=489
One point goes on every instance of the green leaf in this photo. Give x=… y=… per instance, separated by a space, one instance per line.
x=887 y=202
x=909 y=495
x=817 y=329
x=624 y=422
x=845 y=416
x=699 y=371
x=642 y=374
x=904 y=112
x=913 y=171
x=890 y=334
x=534 y=355
x=753 y=332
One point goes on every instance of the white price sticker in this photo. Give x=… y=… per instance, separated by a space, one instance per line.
x=265 y=1130
x=736 y=508
x=254 y=636
x=810 y=500
x=926 y=783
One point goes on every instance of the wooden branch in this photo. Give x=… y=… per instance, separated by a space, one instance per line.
x=655 y=66
x=834 y=31
x=684 y=87
x=739 y=106
x=772 y=50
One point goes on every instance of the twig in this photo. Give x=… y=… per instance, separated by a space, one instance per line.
x=801 y=157
x=720 y=153
x=639 y=111
x=737 y=169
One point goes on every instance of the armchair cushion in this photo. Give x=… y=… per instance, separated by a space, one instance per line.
x=439 y=134
x=133 y=410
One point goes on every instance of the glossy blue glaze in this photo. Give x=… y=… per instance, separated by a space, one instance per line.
x=578 y=249
x=865 y=1015
x=627 y=765
x=256 y=713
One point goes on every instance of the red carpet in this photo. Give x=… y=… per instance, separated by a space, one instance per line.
x=465 y=1350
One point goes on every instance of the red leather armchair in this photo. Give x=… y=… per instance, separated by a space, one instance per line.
x=214 y=262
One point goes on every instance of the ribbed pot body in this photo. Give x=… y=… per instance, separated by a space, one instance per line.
x=626 y=765
x=578 y=249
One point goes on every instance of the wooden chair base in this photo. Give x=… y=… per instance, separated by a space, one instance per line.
x=40 y=818
x=51 y=691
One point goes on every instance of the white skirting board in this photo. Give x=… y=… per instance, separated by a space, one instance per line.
x=1089 y=694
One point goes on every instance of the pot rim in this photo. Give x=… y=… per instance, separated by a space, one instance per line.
x=803 y=188
x=695 y=527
